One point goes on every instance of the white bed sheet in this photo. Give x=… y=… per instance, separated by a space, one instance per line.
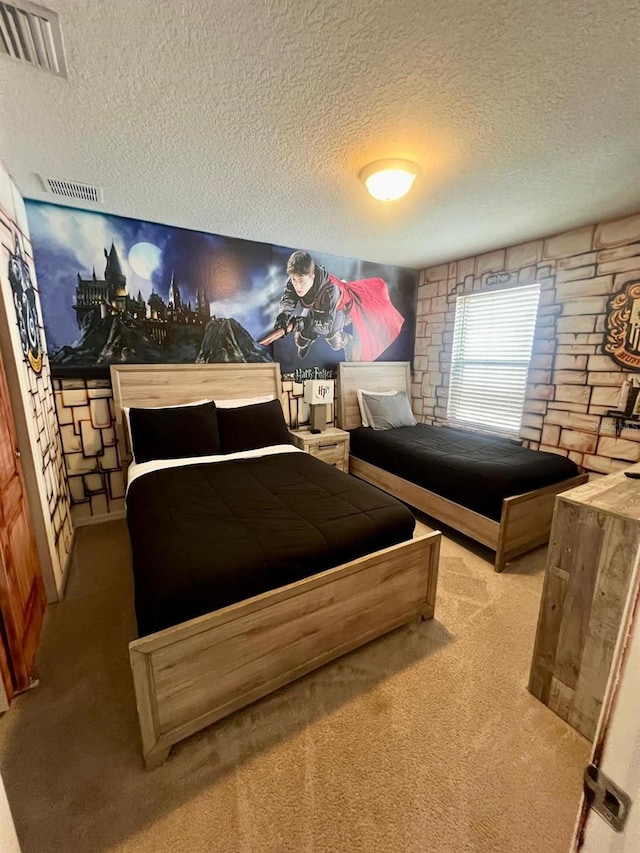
x=139 y=469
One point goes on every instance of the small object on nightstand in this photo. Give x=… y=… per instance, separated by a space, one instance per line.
x=317 y=393
x=330 y=446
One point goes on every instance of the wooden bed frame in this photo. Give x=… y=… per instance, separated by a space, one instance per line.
x=195 y=673
x=525 y=522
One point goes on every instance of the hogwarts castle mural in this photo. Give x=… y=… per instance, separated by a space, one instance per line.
x=164 y=294
x=116 y=328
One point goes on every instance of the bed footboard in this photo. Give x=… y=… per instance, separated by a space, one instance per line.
x=193 y=674
x=525 y=522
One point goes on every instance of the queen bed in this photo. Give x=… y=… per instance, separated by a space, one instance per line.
x=491 y=489
x=253 y=565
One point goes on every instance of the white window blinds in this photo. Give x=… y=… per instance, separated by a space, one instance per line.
x=492 y=343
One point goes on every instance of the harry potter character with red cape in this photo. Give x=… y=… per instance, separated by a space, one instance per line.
x=328 y=305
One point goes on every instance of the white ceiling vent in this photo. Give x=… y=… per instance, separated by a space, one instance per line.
x=72 y=190
x=32 y=34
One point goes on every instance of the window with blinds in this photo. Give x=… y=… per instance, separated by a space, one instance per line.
x=492 y=343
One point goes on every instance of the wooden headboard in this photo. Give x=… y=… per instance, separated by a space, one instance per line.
x=369 y=376
x=149 y=385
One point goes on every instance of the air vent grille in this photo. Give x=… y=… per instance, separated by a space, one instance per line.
x=32 y=34
x=73 y=189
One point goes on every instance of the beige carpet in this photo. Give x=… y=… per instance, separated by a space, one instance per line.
x=425 y=740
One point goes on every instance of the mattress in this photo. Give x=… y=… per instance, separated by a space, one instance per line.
x=471 y=469
x=206 y=534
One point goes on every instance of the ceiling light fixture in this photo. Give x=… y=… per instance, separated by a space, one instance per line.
x=388 y=180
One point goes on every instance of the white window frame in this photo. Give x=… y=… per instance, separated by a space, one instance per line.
x=490 y=358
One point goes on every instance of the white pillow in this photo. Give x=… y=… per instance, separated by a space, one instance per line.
x=127 y=423
x=362 y=407
x=386 y=411
x=246 y=401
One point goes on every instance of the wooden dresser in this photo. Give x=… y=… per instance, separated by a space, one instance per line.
x=594 y=543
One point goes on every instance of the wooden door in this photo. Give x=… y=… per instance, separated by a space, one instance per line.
x=22 y=599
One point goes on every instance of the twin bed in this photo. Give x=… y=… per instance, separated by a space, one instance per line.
x=491 y=489
x=257 y=563
x=252 y=568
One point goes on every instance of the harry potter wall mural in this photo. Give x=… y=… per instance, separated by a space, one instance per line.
x=117 y=290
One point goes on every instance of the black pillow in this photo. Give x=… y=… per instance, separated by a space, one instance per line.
x=174 y=433
x=250 y=427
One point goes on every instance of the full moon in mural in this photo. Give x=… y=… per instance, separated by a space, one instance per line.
x=144 y=258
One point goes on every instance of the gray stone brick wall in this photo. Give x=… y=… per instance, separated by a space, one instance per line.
x=49 y=452
x=37 y=394
x=87 y=427
x=572 y=383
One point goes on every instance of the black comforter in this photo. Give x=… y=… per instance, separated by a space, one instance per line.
x=207 y=535
x=474 y=470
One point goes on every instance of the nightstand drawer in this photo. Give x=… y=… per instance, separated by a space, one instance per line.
x=331 y=452
x=330 y=446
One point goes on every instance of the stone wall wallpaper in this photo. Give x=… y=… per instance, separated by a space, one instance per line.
x=20 y=296
x=573 y=379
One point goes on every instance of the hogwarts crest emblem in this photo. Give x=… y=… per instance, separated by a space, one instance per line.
x=24 y=300
x=623 y=326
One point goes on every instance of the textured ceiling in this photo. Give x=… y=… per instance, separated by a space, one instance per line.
x=253 y=119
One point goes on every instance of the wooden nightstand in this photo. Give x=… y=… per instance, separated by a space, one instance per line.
x=331 y=446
